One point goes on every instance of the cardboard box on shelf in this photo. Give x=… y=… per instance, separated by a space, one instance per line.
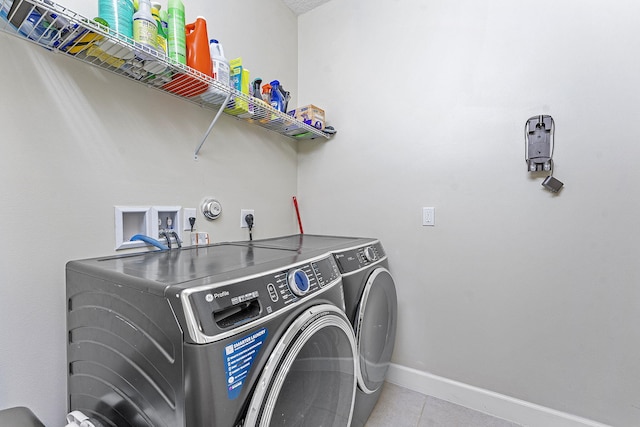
x=309 y=114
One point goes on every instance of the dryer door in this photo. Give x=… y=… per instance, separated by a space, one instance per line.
x=375 y=328
x=310 y=378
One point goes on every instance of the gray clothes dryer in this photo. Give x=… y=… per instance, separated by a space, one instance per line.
x=372 y=307
x=370 y=303
x=223 y=335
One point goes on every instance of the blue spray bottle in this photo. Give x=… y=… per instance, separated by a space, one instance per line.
x=277 y=101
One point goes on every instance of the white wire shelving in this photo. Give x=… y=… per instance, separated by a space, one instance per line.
x=63 y=31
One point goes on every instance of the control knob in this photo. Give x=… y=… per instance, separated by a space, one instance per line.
x=369 y=253
x=298 y=281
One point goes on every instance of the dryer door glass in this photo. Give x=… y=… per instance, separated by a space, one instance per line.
x=310 y=378
x=376 y=329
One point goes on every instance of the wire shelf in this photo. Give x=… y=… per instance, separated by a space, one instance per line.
x=61 y=30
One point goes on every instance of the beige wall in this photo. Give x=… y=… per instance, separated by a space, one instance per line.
x=514 y=290
x=76 y=141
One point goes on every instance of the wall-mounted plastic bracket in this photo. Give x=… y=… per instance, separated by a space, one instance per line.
x=538 y=149
x=539 y=143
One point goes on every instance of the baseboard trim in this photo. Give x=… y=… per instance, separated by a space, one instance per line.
x=496 y=404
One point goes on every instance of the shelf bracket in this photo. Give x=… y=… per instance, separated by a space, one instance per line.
x=213 y=122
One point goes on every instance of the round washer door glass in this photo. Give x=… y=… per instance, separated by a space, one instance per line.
x=310 y=377
x=376 y=329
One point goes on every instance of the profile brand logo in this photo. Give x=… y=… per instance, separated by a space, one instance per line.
x=221 y=294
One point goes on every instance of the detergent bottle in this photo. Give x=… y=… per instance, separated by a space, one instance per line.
x=219 y=63
x=197 y=49
x=197 y=43
x=221 y=74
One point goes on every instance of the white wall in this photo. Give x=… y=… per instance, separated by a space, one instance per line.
x=515 y=290
x=76 y=141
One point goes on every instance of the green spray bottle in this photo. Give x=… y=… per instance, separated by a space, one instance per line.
x=176 y=39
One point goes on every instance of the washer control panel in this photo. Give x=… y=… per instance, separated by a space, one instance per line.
x=298 y=281
x=359 y=258
x=222 y=307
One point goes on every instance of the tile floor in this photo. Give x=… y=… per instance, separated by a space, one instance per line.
x=400 y=407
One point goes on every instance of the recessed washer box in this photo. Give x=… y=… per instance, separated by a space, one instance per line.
x=166 y=218
x=129 y=221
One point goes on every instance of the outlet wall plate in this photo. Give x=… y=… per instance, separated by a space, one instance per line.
x=429 y=216
x=186 y=214
x=243 y=214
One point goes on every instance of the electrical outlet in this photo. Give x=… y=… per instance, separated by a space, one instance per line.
x=429 y=216
x=186 y=214
x=243 y=214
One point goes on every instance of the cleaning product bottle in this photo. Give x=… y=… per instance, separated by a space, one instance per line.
x=164 y=20
x=221 y=74
x=197 y=43
x=276 y=97
x=219 y=62
x=145 y=30
x=118 y=14
x=197 y=57
x=161 y=40
x=176 y=38
x=266 y=93
x=286 y=96
x=255 y=86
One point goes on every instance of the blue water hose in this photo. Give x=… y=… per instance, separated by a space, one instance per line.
x=150 y=241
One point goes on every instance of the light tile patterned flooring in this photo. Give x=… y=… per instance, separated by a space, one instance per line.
x=400 y=407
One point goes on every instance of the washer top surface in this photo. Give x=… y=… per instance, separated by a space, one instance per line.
x=191 y=266
x=308 y=242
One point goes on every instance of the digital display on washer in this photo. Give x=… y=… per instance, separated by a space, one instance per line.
x=326 y=271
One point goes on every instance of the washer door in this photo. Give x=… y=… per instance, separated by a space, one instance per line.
x=310 y=378
x=375 y=329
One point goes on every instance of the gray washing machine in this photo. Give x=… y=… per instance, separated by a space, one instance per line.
x=223 y=335
x=371 y=305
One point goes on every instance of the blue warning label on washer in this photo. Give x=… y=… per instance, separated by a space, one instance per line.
x=239 y=357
